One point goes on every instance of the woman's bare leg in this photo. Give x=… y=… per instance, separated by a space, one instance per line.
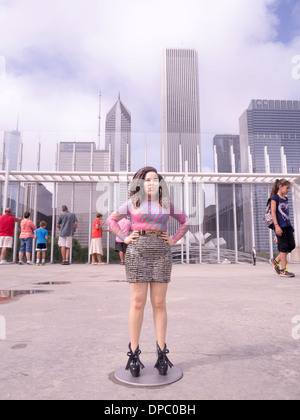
x=136 y=312
x=158 y=293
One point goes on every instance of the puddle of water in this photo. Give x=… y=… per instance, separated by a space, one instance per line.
x=116 y=281
x=19 y=346
x=6 y=295
x=54 y=282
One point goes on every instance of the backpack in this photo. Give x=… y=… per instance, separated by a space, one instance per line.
x=268 y=216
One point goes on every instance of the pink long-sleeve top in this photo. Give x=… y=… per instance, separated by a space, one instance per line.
x=149 y=216
x=27 y=229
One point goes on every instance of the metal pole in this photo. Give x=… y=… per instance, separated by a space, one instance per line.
x=163 y=158
x=110 y=195
x=38 y=165
x=198 y=159
x=90 y=222
x=90 y=205
x=34 y=218
x=234 y=207
x=251 y=198
x=99 y=122
x=145 y=155
x=200 y=204
x=187 y=210
x=267 y=169
x=53 y=222
x=180 y=158
x=16 y=230
x=283 y=161
x=73 y=196
x=217 y=206
x=54 y=208
x=6 y=186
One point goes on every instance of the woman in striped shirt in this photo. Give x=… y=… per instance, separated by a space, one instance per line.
x=148 y=258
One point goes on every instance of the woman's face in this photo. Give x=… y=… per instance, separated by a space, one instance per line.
x=151 y=184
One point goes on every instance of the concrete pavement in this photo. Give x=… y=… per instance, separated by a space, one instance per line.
x=230 y=331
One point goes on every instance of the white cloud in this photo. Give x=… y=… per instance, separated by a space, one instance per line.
x=59 y=54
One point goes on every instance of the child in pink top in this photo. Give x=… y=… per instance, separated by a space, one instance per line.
x=26 y=238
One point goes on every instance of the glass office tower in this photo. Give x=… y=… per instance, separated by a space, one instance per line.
x=11 y=151
x=224 y=145
x=80 y=198
x=274 y=124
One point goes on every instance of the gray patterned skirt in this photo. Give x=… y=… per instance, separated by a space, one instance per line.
x=148 y=259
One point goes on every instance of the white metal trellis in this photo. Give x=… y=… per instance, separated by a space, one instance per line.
x=184 y=178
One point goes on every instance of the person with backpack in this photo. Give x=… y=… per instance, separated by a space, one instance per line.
x=284 y=230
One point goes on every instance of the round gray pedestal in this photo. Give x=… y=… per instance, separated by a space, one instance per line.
x=149 y=376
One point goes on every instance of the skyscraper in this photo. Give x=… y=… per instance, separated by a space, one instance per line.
x=274 y=124
x=81 y=157
x=11 y=149
x=223 y=144
x=180 y=114
x=118 y=137
x=12 y=152
x=271 y=123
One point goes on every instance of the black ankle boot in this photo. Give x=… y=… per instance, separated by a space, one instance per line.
x=163 y=362
x=134 y=364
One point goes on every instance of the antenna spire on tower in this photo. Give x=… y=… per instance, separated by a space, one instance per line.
x=99 y=121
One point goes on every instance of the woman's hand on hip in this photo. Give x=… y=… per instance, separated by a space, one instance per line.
x=167 y=239
x=131 y=238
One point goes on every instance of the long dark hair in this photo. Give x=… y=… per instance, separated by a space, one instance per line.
x=279 y=182
x=137 y=192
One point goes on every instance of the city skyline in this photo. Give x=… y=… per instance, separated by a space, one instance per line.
x=52 y=77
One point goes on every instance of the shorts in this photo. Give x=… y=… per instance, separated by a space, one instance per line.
x=41 y=247
x=26 y=245
x=120 y=247
x=65 y=241
x=286 y=242
x=6 y=241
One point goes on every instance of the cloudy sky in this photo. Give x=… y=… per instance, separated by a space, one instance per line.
x=56 y=56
